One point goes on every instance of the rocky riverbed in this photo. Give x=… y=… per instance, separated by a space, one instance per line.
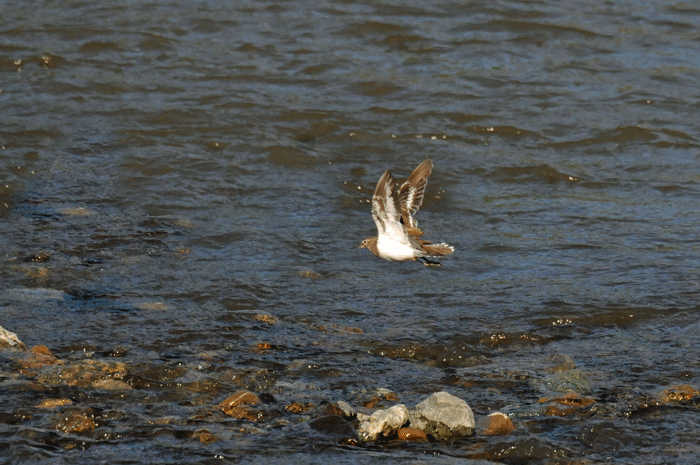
x=79 y=401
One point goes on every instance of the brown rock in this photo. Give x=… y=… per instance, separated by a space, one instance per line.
x=206 y=437
x=678 y=393
x=240 y=398
x=265 y=318
x=333 y=409
x=412 y=434
x=310 y=274
x=558 y=411
x=76 y=422
x=84 y=373
x=53 y=403
x=111 y=385
x=243 y=412
x=296 y=407
x=40 y=349
x=38 y=357
x=495 y=424
x=571 y=399
x=236 y=406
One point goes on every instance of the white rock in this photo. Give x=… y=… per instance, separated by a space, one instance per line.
x=10 y=339
x=382 y=422
x=444 y=416
x=347 y=409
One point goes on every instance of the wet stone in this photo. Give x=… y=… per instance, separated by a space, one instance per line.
x=309 y=273
x=443 y=416
x=82 y=374
x=561 y=363
x=53 y=403
x=412 y=434
x=238 y=406
x=495 y=424
x=76 y=422
x=567 y=381
x=340 y=408
x=571 y=399
x=37 y=358
x=382 y=423
x=265 y=318
x=335 y=427
x=111 y=385
x=206 y=437
x=297 y=407
x=9 y=340
x=678 y=393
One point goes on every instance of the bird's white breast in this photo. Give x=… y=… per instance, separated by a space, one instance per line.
x=391 y=249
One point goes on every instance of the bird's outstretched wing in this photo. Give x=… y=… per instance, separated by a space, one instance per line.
x=411 y=194
x=386 y=208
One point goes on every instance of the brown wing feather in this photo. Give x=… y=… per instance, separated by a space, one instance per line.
x=412 y=191
x=386 y=209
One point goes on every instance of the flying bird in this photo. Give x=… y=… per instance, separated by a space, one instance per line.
x=399 y=238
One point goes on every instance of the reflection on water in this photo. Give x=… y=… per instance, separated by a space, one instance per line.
x=183 y=187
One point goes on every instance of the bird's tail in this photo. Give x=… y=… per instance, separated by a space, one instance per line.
x=438 y=250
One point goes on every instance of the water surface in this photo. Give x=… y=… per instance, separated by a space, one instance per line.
x=182 y=182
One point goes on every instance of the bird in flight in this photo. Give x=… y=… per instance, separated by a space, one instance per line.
x=399 y=238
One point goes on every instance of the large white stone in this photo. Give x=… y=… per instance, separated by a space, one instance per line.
x=382 y=422
x=444 y=416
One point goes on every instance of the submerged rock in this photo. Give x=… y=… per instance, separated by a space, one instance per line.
x=53 y=403
x=238 y=406
x=38 y=357
x=83 y=374
x=76 y=422
x=382 y=422
x=568 y=381
x=678 y=393
x=443 y=416
x=111 y=385
x=335 y=427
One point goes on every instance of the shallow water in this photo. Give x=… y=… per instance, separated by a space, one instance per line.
x=182 y=182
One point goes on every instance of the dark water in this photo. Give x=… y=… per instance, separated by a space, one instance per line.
x=183 y=181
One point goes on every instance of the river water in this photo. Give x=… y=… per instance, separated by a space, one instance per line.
x=183 y=184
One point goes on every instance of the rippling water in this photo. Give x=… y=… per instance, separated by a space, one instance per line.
x=184 y=181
